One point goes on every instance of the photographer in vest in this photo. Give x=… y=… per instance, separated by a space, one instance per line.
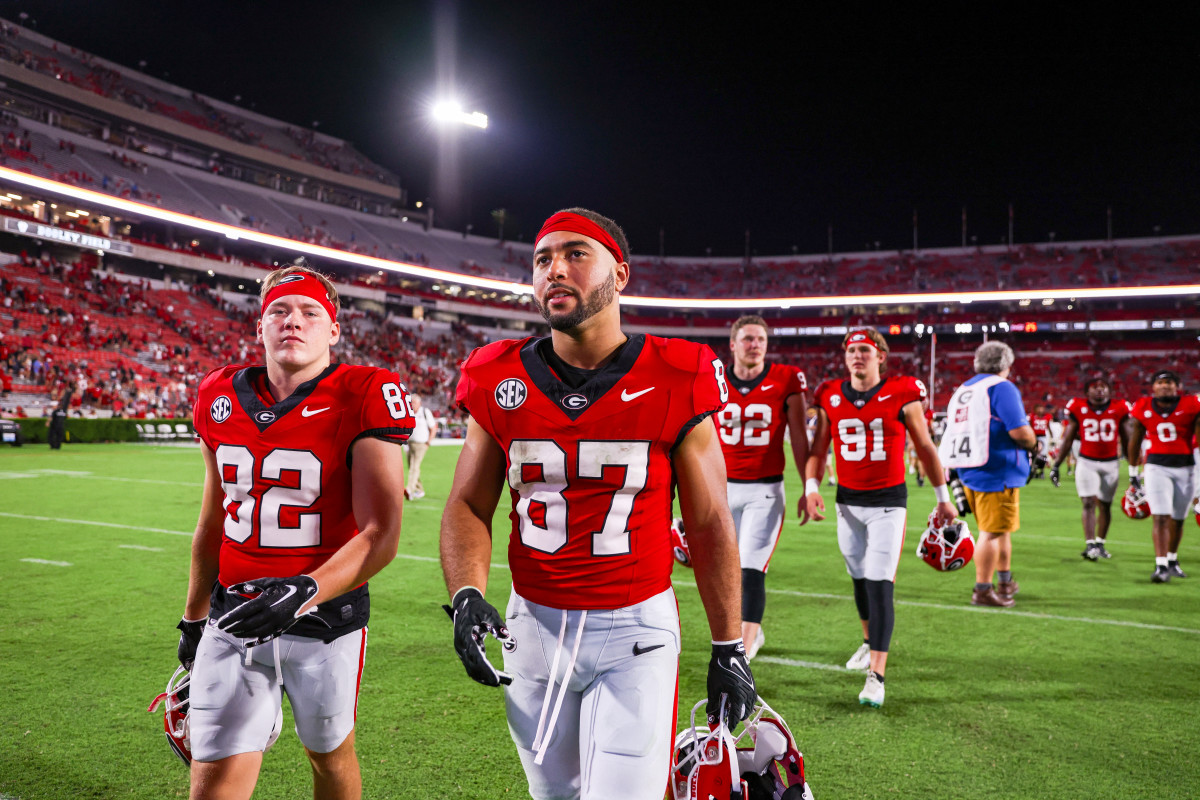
x=988 y=440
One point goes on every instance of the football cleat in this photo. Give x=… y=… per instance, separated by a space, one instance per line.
x=761 y=763
x=1102 y=551
x=1161 y=575
x=872 y=693
x=759 y=639
x=175 y=716
x=861 y=658
x=947 y=548
x=1134 y=503
x=679 y=543
x=1176 y=570
x=1091 y=552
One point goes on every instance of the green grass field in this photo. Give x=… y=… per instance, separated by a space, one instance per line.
x=1088 y=688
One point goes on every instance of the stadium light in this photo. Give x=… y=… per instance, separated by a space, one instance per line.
x=292 y=247
x=447 y=111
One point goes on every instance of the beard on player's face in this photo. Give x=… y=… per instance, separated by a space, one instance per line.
x=585 y=308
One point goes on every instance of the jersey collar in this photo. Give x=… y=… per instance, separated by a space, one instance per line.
x=746 y=387
x=262 y=414
x=573 y=402
x=859 y=399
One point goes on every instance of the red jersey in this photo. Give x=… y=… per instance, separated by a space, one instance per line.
x=589 y=468
x=868 y=435
x=1169 y=435
x=753 y=421
x=1040 y=424
x=1099 y=429
x=285 y=467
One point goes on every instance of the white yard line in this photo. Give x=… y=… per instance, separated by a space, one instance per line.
x=139 y=547
x=92 y=522
x=44 y=561
x=791 y=662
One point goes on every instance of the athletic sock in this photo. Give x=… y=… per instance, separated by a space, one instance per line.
x=1172 y=557
x=1160 y=561
x=1004 y=575
x=1100 y=540
x=1092 y=541
x=878 y=677
x=866 y=642
x=982 y=587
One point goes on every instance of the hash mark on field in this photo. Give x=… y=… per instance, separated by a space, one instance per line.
x=138 y=547
x=92 y=522
x=62 y=473
x=791 y=662
x=44 y=561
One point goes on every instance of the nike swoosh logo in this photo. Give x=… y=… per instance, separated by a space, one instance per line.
x=885 y=397
x=637 y=651
x=737 y=669
x=305 y=412
x=768 y=386
x=626 y=396
x=291 y=590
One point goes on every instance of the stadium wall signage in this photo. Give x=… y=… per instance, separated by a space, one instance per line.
x=84 y=240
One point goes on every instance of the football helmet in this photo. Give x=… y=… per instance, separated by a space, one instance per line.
x=761 y=763
x=948 y=547
x=1134 y=503
x=679 y=543
x=175 y=718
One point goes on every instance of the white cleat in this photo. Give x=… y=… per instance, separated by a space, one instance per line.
x=756 y=644
x=861 y=658
x=872 y=693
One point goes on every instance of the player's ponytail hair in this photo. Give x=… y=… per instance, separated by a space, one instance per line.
x=877 y=339
x=299 y=265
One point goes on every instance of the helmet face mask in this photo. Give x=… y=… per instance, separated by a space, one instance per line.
x=177 y=706
x=760 y=763
x=1136 y=506
x=948 y=547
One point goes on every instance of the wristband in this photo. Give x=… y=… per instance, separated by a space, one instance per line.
x=726 y=644
x=942 y=493
x=1133 y=471
x=453 y=600
x=812 y=487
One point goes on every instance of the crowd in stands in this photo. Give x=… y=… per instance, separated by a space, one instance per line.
x=86 y=72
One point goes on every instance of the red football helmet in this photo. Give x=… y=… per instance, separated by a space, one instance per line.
x=679 y=543
x=766 y=766
x=1134 y=503
x=948 y=547
x=175 y=720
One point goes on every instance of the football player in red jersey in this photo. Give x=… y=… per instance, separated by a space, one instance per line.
x=1171 y=423
x=866 y=417
x=1040 y=421
x=302 y=483
x=766 y=398
x=1097 y=421
x=588 y=429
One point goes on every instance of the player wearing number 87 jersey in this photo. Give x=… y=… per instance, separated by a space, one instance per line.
x=866 y=417
x=1170 y=422
x=765 y=399
x=301 y=507
x=589 y=430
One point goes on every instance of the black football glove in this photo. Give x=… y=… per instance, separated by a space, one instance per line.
x=729 y=679
x=271 y=613
x=1054 y=477
x=189 y=640
x=475 y=618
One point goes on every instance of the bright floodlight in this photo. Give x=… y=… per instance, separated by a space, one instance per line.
x=451 y=111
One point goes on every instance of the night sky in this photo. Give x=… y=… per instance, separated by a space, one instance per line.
x=706 y=123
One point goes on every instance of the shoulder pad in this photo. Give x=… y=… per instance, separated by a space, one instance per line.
x=493 y=351
x=680 y=352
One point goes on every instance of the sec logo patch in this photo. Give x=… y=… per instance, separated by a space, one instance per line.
x=511 y=393
x=220 y=409
x=835 y=401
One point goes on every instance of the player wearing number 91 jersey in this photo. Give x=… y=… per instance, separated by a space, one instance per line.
x=301 y=507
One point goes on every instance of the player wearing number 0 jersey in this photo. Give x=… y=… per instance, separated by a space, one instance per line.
x=865 y=417
x=1170 y=422
x=589 y=429
x=766 y=399
x=301 y=507
x=1097 y=423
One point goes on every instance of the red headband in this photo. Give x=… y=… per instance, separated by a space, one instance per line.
x=576 y=223
x=302 y=284
x=858 y=337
